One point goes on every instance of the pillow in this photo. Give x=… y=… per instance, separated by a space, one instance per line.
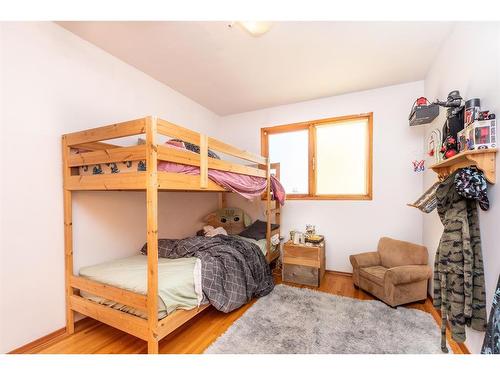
x=257 y=230
x=175 y=143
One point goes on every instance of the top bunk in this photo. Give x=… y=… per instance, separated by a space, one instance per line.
x=90 y=163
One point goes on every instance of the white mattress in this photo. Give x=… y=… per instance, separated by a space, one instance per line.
x=179 y=282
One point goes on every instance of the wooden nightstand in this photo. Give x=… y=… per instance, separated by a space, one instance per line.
x=304 y=264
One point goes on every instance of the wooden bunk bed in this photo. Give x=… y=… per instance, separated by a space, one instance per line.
x=151 y=329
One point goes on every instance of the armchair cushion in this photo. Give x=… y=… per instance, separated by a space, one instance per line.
x=368 y=259
x=407 y=274
x=394 y=253
x=374 y=274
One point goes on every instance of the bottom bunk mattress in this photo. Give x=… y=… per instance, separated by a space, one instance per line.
x=179 y=282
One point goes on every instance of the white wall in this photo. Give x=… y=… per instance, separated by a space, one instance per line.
x=351 y=226
x=53 y=82
x=469 y=61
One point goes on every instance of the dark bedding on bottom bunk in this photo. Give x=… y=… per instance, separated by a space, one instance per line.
x=233 y=271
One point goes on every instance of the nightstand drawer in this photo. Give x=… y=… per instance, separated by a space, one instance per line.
x=304 y=252
x=300 y=274
x=302 y=261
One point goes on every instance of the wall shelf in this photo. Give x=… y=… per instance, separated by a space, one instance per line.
x=484 y=160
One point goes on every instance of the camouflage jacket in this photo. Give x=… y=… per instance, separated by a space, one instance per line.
x=458 y=268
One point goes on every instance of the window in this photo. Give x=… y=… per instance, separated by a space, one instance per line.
x=323 y=159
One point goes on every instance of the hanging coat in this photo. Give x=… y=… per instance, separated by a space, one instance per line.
x=491 y=344
x=458 y=267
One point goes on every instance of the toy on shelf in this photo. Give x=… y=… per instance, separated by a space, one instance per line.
x=449 y=148
x=472 y=110
x=434 y=145
x=486 y=115
x=478 y=135
x=462 y=140
x=422 y=112
x=454 y=115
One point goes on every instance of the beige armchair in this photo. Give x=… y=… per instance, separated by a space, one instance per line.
x=397 y=273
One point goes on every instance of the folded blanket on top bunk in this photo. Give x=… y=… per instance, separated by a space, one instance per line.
x=233 y=271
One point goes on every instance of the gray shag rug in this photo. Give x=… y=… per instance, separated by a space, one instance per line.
x=295 y=320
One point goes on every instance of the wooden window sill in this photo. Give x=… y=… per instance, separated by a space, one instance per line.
x=367 y=197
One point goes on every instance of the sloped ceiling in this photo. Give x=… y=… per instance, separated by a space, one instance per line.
x=228 y=71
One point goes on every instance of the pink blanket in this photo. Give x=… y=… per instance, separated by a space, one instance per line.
x=247 y=186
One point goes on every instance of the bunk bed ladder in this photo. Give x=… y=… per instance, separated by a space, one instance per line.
x=271 y=256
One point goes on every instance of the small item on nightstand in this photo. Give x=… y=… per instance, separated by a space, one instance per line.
x=310 y=230
x=317 y=238
x=298 y=238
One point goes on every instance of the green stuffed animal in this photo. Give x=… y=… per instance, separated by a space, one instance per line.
x=233 y=220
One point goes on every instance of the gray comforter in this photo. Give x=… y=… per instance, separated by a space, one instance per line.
x=233 y=271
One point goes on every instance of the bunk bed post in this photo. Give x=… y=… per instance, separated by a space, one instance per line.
x=277 y=208
x=68 y=238
x=268 y=208
x=221 y=200
x=203 y=161
x=152 y=233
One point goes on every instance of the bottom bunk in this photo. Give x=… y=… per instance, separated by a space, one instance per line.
x=179 y=283
x=192 y=274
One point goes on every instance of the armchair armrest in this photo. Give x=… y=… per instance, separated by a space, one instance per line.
x=408 y=274
x=368 y=259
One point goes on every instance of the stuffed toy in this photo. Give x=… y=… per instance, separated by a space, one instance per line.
x=233 y=220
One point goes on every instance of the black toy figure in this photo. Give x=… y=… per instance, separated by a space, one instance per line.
x=454 y=114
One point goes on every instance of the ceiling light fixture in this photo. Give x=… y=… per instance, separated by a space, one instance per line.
x=254 y=28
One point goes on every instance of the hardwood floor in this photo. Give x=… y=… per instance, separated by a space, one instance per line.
x=196 y=335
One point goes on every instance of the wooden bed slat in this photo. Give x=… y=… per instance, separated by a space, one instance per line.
x=94 y=146
x=236 y=168
x=175 y=131
x=110 y=292
x=137 y=181
x=118 y=181
x=113 y=155
x=123 y=321
x=103 y=133
x=215 y=144
x=180 y=181
x=180 y=156
x=176 y=319
x=189 y=158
